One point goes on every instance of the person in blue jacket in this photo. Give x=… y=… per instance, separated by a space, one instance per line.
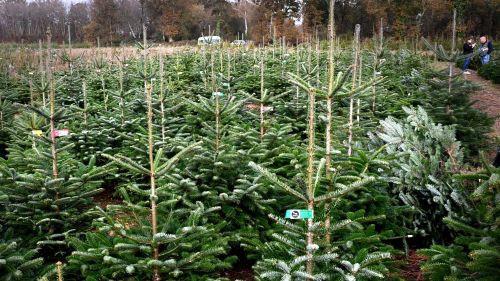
x=468 y=51
x=485 y=49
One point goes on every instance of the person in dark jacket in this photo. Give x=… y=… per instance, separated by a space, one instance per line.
x=485 y=49
x=468 y=50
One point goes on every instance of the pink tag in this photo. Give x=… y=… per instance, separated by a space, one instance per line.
x=60 y=133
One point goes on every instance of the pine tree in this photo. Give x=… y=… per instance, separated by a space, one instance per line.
x=300 y=243
x=48 y=192
x=475 y=253
x=426 y=157
x=165 y=236
x=17 y=263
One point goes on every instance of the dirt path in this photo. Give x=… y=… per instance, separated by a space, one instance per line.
x=487 y=98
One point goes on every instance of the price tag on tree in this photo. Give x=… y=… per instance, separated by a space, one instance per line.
x=299 y=214
x=37 y=133
x=60 y=133
x=267 y=108
x=217 y=94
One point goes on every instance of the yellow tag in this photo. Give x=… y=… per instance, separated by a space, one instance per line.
x=37 y=133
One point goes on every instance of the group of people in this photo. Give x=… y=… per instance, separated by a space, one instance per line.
x=484 y=51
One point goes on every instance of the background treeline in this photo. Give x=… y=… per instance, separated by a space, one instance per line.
x=115 y=21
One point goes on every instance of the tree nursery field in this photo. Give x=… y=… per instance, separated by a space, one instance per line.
x=330 y=160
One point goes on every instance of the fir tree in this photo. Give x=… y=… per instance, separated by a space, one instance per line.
x=426 y=157
x=475 y=253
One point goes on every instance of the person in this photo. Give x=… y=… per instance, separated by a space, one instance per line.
x=485 y=49
x=468 y=50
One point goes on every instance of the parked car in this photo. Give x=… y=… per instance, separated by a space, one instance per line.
x=239 y=43
x=209 y=40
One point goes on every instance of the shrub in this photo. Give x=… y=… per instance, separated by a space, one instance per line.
x=491 y=71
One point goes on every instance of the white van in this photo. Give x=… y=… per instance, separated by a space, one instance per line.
x=209 y=40
x=239 y=43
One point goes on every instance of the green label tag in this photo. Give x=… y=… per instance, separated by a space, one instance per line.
x=299 y=214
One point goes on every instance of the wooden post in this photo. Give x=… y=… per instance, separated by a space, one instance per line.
x=162 y=98
x=329 y=114
x=453 y=46
x=261 y=96
x=59 y=271
x=154 y=222
x=310 y=182
x=354 y=80
x=358 y=106
x=52 y=93
x=85 y=106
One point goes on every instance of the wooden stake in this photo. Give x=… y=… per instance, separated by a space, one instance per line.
x=55 y=172
x=358 y=106
x=162 y=97
x=85 y=106
x=453 y=46
x=41 y=70
x=69 y=47
x=122 y=99
x=261 y=96
x=354 y=80
x=148 y=89
x=329 y=113
x=59 y=271
x=217 y=123
x=310 y=181
x=154 y=222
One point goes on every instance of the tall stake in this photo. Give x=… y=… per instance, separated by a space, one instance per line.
x=41 y=70
x=69 y=46
x=55 y=172
x=162 y=97
x=453 y=46
x=318 y=55
x=261 y=96
x=217 y=124
x=103 y=89
x=148 y=89
x=309 y=53
x=310 y=183
x=354 y=80
x=122 y=99
x=328 y=135
x=297 y=72
x=374 y=90
x=217 y=103
x=59 y=271
x=229 y=68
x=358 y=106
x=376 y=62
x=154 y=226
x=381 y=33
x=85 y=106
x=212 y=69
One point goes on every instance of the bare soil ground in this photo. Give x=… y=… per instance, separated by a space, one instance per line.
x=239 y=274
x=126 y=52
x=487 y=99
x=411 y=271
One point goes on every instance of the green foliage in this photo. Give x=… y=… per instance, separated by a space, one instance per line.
x=17 y=263
x=356 y=251
x=490 y=71
x=475 y=253
x=122 y=246
x=426 y=156
x=212 y=206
